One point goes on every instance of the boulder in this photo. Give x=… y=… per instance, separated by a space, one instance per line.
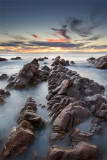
x=77 y=136
x=100 y=63
x=82 y=151
x=69 y=117
x=17 y=144
x=60 y=61
x=25 y=75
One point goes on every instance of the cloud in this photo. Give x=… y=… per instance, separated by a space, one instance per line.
x=96 y=47
x=35 y=36
x=84 y=28
x=96 y=37
x=41 y=44
x=56 y=40
x=12 y=44
x=16 y=37
x=55 y=44
x=62 y=31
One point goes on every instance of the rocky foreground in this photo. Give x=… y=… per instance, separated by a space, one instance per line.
x=24 y=134
x=100 y=63
x=72 y=99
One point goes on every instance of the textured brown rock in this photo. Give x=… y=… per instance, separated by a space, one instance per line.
x=77 y=136
x=83 y=151
x=17 y=144
x=25 y=75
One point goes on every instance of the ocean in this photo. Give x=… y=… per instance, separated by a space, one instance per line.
x=11 y=109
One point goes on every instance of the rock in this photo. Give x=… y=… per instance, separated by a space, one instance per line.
x=28 y=113
x=45 y=68
x=98 y=125
x=64 y=87
x=72 y=62
x=23 y=135
x=2 y=100
x=102 y=112
x=94 y=102
x=4 y=93
x=16 y=58
x=17 y=144
x=100 y=63
x=32 y=118
x=91 y=60
x=25 y=75
x=12 y=77
x=69 y=117
x=3 y=59
x=42 y=59
x=77 y=136
x=3 y=77
x=60 y=61
x=81 y=151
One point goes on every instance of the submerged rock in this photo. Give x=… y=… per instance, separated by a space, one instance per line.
x=82 y=151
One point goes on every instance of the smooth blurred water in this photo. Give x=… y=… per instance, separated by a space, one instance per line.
x=10 y=110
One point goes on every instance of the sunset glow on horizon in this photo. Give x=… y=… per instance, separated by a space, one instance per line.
x=30 y=26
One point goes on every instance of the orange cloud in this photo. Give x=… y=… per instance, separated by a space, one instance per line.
x=57 y=40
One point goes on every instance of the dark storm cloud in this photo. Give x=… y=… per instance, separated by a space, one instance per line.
x=41 y=44
x=62 y=31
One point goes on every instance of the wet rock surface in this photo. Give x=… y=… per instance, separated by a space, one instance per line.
x=82 y=151
x=28 y=75
x=100 y=63
x=21 y=138
x=71 y=100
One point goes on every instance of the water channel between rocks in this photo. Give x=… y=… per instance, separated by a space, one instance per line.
x=11 y=109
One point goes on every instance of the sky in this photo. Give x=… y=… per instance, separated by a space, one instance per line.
x=30 y=26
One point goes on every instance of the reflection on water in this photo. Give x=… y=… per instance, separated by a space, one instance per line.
x=11 y=109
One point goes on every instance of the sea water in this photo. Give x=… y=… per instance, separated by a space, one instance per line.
x=9 y=111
